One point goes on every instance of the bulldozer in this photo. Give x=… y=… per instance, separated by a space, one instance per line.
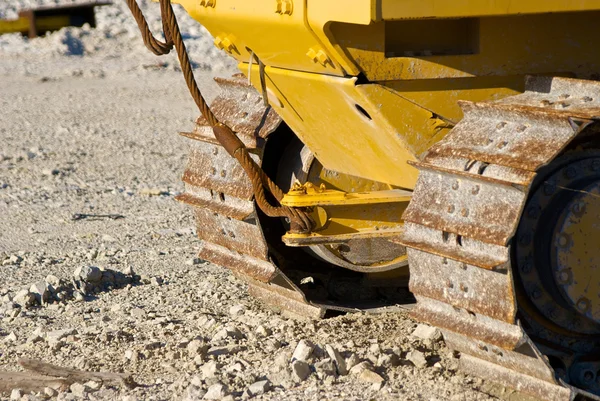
x=443 y=155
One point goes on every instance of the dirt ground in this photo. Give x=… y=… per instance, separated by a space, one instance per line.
x=90 y=163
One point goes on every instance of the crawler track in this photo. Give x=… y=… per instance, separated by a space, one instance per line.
x=474 y=253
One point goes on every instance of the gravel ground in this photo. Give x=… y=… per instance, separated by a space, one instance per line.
x=89 y=165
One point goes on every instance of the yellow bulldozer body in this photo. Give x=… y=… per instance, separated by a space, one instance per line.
x=453 y=145
x=418 y=56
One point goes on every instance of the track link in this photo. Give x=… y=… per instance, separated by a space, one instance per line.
x=461 y=222
x=221 y=195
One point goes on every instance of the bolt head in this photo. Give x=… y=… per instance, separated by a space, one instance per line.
x=563 y=277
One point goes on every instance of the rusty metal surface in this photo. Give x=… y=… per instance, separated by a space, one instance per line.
x=513 y=135
x=210 y=166
x=482 y=327
x=569 y=97
x=469 y=251
x=205 y=198
x=283 y=298
x=463 y=286
x=523 y=383
x=466 y=207
x=245 y=265
x=230 y=233
x=465 y=204
x=240 y=107
x=524 y=359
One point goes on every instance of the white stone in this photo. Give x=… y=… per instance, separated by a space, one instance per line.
x=24 y=298
x=12 y=337
x=325 y=368
x=196 y=347
x=417 y=358
x=216 y=392
x=339 y=361
x=93 y=385
x=237 y=310
x=89 y=274
x=16 y=394
x=369 y=376
x=303 y=351
x=262 y=331
x=79 y=389
x=352 y=361
x=358 y=368
x=209 y=369
x=259 y=387
x=196 y=381
x=53 y=337
x=49 y=391
x=425 y=332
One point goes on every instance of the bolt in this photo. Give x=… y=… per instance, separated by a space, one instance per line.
x=502 y=144
x=213 y=171
x=215 y=151
x=451 y=209
x=564 y=96
x=482 y=347
x=224 y=44
x=526 y=267
x=578 y=208
x=545 y=103
x=444 y=261
x=563 y=240
x=563 y=105
x=223 y=173
x=463 y=266
x=586 y=99
x=318 y=56
x=455 y=185
x=284 y=7
x=465 y=212
x=563 y=277
x=475 y=190
x=464 y=288
x=521 y=128
x=583 y=304
x=501 y=125
x=449 y=284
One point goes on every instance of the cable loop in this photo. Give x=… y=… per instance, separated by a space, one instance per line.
x=299 y=219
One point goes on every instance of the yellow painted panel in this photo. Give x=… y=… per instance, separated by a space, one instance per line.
x=400 y=9
x=372 y=143
x=535 y=44
x=279 y=40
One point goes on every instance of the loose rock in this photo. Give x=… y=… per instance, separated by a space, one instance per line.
x=417 y=358
x=425 y=332
x=300 y=370
x=303 y=351
x=216 y=392
x=259 y=387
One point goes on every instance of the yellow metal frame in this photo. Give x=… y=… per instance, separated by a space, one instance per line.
x=340 y=76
